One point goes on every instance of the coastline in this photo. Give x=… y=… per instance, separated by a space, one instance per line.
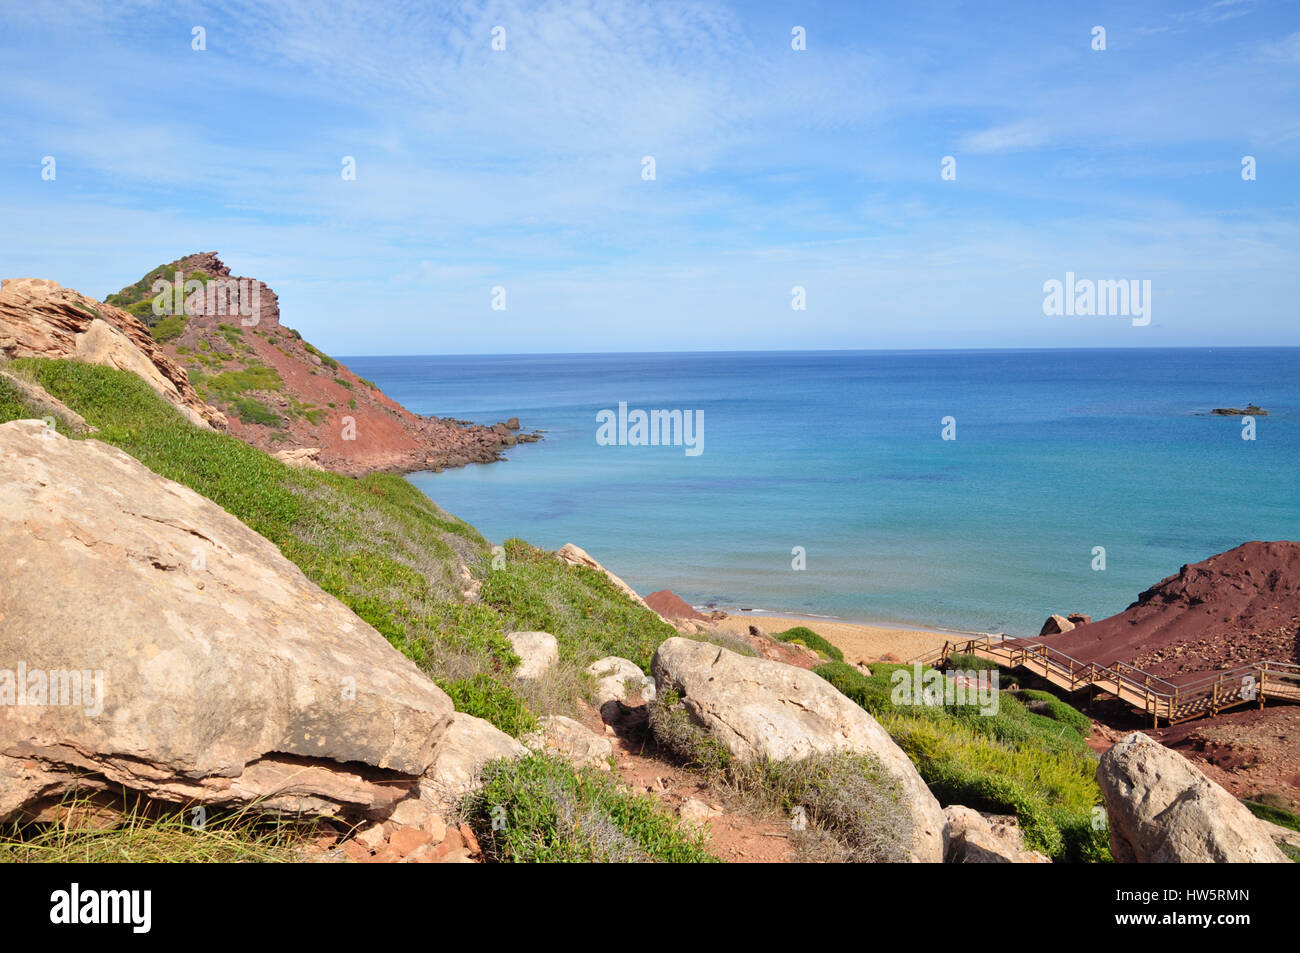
x=810 y=617
x=860 y=642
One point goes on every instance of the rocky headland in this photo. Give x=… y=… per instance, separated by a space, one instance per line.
x=220 y=353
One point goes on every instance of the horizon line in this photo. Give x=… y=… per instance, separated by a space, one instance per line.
x=850 y=350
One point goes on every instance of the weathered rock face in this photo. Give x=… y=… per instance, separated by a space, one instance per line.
x=974 y=838
x=1056 y=624
x=1161 y=809
x=468 y=744
x=759 y=709
x=572 y=741
x=306 y=457
x=208 y=667
x=618 y=679
x=38 y=318
x=537 y=652
x=247 y=300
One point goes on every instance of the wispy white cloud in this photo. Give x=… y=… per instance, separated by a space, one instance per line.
x=773 y=166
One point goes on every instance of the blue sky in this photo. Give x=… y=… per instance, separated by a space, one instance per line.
x=522 y=168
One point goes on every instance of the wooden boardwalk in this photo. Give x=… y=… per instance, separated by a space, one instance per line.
x=1252 y=683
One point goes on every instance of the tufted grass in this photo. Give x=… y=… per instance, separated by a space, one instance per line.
x=146 y=832
x=1019 y=761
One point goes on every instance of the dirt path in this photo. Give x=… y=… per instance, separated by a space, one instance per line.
x=736 y=834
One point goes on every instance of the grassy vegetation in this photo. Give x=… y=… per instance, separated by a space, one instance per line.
x=580 y=606
x=168 y=328
x=381 y=547
x=802 y=635
x=486 y=697
x=969 y=663
x=853 y=810
x=676 y=732
x=138 y=299
x=228 y=385
x=546 y=811
x=1277 y=815
x=1029 y=759
x=142 y=835
x=252 y=411
x=324 y=358
x=14 y=407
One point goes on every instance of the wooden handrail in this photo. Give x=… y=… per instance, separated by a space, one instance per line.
x=1209 y=693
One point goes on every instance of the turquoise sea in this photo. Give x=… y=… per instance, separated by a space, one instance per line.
x=841 y=453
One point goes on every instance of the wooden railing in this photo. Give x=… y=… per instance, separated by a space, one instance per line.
x=1217 y=691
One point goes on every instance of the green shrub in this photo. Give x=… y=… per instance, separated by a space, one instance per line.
x=676 y=732
x=540 y=809
x=137 y=299
x=1047 y=704
x=1277 y=815
x=959 y=661
x=168 y=328
x=805 y=636
x=229 y=385
x=871 y=692
x=849 y=797
x=1036 y=766
x=484 y=697
x=253 y=411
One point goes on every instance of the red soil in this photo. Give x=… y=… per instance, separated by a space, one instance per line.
x=1237 y=607
x=672 y=606
x=359 y=429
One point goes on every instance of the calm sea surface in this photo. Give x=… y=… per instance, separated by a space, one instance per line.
x=1056 y=452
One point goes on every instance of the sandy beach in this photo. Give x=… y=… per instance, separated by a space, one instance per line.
x=857 y=641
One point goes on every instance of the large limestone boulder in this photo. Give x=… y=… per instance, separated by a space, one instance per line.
x=40 y=318
x=761 y=709
x=181 y=654
x=975 y=838
x=537 y=651
x=463 y=751
x=1162 y=809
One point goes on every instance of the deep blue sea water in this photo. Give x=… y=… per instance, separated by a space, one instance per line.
x=1057 y=452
